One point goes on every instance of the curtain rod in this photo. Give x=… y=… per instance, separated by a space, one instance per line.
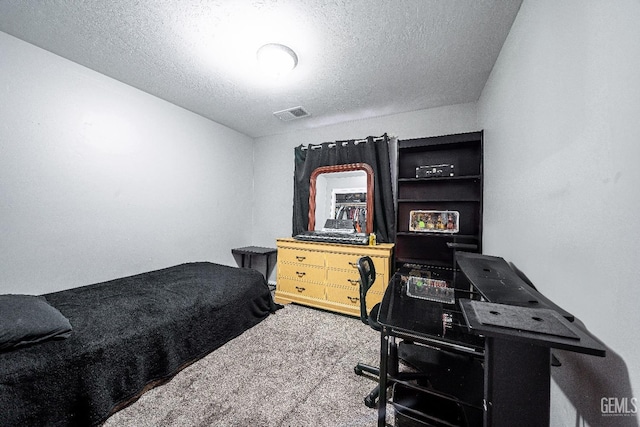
x=333 y=144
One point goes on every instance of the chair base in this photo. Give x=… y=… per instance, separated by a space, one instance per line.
x=360 y=369
x=370 y=400
x=374 y=371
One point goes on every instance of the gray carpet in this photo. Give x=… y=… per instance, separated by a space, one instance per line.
x=295 y=368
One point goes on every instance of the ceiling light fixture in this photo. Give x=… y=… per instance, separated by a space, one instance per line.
x=276 y=59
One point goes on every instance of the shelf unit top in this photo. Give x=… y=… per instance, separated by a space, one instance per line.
x=439 y=141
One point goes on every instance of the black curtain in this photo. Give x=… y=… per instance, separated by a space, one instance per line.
x=374 y=151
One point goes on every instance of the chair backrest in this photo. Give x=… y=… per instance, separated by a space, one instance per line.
x=367 y=277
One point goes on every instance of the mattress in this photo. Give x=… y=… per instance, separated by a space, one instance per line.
x=128 y=333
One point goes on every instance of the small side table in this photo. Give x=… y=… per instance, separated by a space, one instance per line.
x=251 y=251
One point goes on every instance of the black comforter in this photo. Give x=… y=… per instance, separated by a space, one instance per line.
x=127 y=334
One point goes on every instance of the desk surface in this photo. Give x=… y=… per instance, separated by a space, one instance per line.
x=539 y=326
x=424 y=320
x=497 y=282
x=524 y=313
x=501 y=287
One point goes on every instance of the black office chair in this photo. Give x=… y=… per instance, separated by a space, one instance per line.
x=367 y=278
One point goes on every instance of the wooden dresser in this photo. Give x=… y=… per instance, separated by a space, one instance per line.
x=325 y=275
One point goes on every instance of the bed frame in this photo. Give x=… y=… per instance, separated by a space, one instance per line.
x=129 y=334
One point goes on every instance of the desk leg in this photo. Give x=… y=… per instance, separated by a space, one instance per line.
x=266 y=267
x=516 y=383
x=382 y=381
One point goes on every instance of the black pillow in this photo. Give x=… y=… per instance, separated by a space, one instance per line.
x=28 y=319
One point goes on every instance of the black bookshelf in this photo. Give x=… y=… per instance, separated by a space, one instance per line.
x=455 y=187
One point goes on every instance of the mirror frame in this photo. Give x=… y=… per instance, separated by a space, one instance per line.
x=341 y=168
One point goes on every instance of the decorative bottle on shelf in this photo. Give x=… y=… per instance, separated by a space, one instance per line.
x=430 y=224
x=450 y=224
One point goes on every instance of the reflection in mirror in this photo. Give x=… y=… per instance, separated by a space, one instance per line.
x=342 y=192
x=341 y=195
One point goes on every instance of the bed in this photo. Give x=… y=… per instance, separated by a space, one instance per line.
x=128 y=335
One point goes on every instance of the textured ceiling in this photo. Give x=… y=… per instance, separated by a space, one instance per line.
x=357 y=58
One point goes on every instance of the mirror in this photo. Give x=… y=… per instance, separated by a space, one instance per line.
x=342 y=192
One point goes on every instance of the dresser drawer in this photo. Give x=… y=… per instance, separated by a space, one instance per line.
x=298 y=256
x=309 y=290
x=301 y=272
x=344 y=296
x=351 y=279
x=351 y=297
x=343 y=261
x=344 y=278
x=350 y=262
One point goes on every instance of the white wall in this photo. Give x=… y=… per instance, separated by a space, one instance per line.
x=99 y=180
x=561 y=118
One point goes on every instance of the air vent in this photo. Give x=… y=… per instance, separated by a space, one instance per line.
x=291 y=114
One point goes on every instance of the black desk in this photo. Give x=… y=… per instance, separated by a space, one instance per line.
x=512 y=329
x=250 y=252
x=420 y=321
x=520 y=327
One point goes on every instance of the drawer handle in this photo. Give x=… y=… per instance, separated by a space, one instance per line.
x=299 y=289
x=354 y=299
x=301 y=258
x=354 y=282
x=300 y=273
